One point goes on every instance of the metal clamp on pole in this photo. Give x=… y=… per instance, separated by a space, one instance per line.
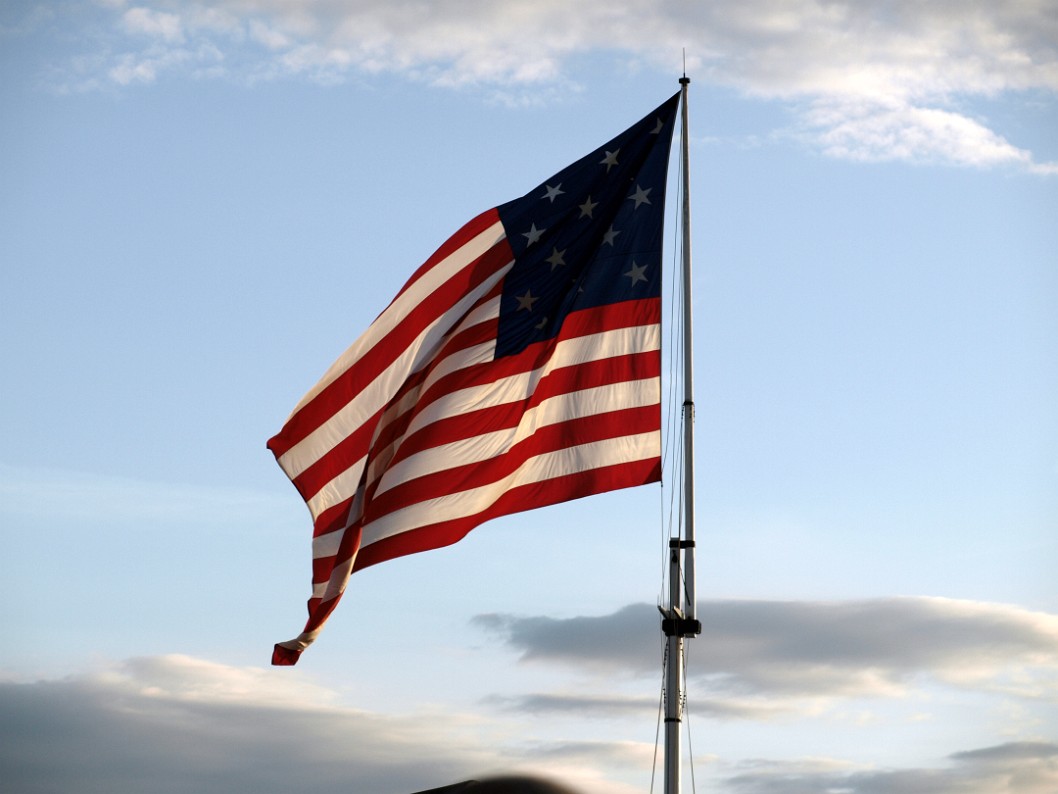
x=675 y=624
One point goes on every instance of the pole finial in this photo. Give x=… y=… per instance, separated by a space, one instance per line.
x=685 y=79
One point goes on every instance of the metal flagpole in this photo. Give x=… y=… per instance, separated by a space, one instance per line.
x=679 y=620
x=688 y=369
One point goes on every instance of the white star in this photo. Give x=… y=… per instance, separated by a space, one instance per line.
x=554 y=192
x=610 y=160
x=527 y=300
x=533 y=235
x=636 y=273
x=587 y=207
x=540 y=326
x=657 y=129
x=640 y=196
x=607 y=238
x=556 y=258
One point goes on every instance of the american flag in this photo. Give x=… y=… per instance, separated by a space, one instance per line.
x=518 y=367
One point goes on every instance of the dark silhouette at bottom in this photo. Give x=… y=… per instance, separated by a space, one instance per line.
x=503 y=785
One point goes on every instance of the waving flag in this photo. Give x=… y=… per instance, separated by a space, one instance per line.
x=518 y=367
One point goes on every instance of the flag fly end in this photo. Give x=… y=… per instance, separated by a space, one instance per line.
x=283 y=656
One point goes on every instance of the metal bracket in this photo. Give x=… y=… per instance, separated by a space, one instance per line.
x=674 y=624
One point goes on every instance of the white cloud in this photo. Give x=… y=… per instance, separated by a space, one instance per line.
x=148 y=22
x=896 y=131
x=879 y=80
x=270 y=37
x=144 y=67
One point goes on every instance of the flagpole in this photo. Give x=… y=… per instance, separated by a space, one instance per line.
x=690 y=607
x=679 y=620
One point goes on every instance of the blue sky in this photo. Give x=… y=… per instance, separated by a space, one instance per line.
x=202 y=205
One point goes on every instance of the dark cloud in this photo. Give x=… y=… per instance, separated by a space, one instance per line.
x=577 y=704
x=870 y=647
x=640 y=707
x=607 y=754
x=167 y=725
x=1012 y=752
x=626 y=637
x=1020 y=768
x=172 y=724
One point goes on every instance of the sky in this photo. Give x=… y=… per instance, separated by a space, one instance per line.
x=202 y=205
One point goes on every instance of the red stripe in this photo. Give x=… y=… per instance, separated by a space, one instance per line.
x=604 y=372
x=470 y=230
x=516 y=500
x=551 y=438
x=615 y=424
x=352 y=448
x=356 y=445
x=519 y=499
x=343 y=455
x=319 y=611
x=608 y=318
x=374 y=361
x=332 y=519
x=612 y=317
x=393 y=425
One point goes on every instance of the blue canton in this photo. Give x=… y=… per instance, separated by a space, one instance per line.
x=589 y=236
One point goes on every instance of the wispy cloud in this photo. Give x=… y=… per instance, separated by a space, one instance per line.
x=779 y=650
x=153 y=24
x=875 y=80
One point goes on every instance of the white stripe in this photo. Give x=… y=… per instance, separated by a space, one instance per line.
x=327 y=545
x=345 y=484
x=458 y=359
x=479 y=354
x=554 y=410
x=404 y=303
x=489 y=310
x=302 y=641
x=461 y=359
x=341 y=487
x=376 y=394
x=513 y=388
x=569 y=352
x=550 y=465
x=339 y=579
